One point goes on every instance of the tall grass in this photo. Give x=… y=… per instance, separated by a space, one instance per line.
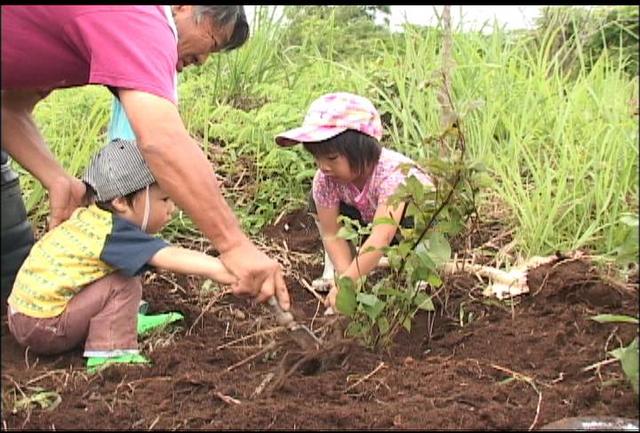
x=563 y=152
x=73 y=123
x=562 y=148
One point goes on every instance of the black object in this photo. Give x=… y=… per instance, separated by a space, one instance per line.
x=16 y=236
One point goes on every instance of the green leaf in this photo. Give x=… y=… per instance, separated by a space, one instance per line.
x=434 y=280
x=389 y=291
x=374 y=311
x=371 y=305
x=506 y=380
x=439 y=249
x=347 y=233
x=346 y=298
x=423 y=263
x=367 y=250
x=422 y=270
x=47 y=400
x=406 y=323
x=404 y=248
x=423 y=302
x=607 y=318
x=437 y=165
x=628 y=357
x=383 y=325
x=384 y=220
x=367 y=299
x=451 y=226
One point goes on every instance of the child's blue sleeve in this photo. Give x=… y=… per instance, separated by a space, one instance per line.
x=119 y=126
x=129 y=249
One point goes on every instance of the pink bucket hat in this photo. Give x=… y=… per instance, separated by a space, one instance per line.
x=332 y=114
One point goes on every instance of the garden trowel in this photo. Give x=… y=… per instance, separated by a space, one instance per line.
x=300 y=334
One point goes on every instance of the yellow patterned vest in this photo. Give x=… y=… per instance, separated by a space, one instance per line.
x=61 y=263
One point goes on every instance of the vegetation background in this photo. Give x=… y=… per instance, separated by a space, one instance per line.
x=551 y=113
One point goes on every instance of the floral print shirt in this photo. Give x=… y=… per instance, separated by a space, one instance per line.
x=384 y=180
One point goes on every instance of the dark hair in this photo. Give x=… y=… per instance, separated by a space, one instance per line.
x=90 y=196
x=223 y=15
x=361 y=150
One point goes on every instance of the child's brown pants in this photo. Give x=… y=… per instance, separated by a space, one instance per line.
x=103 y=315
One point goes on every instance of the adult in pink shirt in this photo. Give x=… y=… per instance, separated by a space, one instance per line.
x=133 y=51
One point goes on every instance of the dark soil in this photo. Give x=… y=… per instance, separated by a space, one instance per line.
x=456 y=377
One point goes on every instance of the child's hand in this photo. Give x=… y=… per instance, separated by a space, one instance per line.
x=330 y=300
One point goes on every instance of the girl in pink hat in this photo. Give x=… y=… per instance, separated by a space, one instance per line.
x=355 y=177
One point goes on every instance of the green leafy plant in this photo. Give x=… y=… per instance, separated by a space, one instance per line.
x=626 y=252
x=374 y=309
x=627 y=355
x=440 y=210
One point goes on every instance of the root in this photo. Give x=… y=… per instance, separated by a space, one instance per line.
x=310 y=362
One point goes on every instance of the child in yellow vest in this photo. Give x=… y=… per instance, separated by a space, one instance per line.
x=81 y=281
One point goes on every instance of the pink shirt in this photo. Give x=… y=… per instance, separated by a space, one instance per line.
x=50 y=47
x=383 y=182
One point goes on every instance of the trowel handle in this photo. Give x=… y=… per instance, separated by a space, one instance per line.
x=283 y=318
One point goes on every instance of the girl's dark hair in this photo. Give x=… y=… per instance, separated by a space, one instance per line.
x=90 y=196
x=223 y=15
x=361 y=150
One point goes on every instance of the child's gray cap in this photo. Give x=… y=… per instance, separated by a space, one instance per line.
x=117 y=169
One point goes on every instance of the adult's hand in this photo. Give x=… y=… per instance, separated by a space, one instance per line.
x=259 y=276
x=21 y=138
x=65 y=195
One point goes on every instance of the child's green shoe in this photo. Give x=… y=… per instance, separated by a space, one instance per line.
x=97 y=363
x=147 y=324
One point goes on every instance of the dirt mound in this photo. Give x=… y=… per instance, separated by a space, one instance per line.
x=476 y=363
x=298 y=230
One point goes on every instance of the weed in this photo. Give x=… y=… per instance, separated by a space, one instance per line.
x=627 y=355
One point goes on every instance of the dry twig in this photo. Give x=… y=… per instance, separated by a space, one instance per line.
x=375 y=370
x=531 y=382
x=267 y=348
x=213 y=300
x=255 y=334
x=264 y=383
x=310 y=288
x=226 y=398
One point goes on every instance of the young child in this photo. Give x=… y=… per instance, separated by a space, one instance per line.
x=355 y=177
x=81 y=281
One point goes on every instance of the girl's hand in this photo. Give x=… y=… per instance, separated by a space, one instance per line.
x=330 y=300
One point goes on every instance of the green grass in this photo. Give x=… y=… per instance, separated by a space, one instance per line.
x=561 y=148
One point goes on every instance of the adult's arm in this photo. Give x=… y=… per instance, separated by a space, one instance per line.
x=21 y=138
x=184 y=173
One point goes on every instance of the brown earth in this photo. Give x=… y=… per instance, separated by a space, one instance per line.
x=485 y=365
